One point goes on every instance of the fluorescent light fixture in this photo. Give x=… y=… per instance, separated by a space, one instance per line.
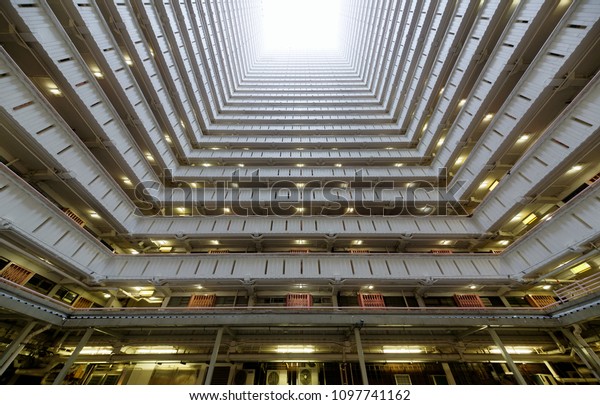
x=389 y=148
x=523 y=138
x=493 y=185
x=300 y=209
x=94 y=214
x=194 y=185
x=299 y=148
x=488 y=117
x=546 y=287
x=398 y=164
x=445 y=242
x=155 y=350
x=182 y=124
x=300 y=185
x=459 y=160
x=98 y=74
x=517 y=217
x=106 y=295
x=401 y=349
x=462 y=102
x=349 y=210
x=442 y=90
x=134 y=252
x=425 y=127
x=146 y=293
x=357 y=242
x=472 y=287
x=215 y=148
x=149 y=157
x=301 y=242
x=159 y=242
x=580 y=268
x=512 y=350
x=295 y=349
x=55 y=91
x=441 y=141
x=128 y=61
x=165 y=249
x=181 y=210
x=503 y=242
x=126 y=181
x=214 y=242
x=300 y=165
x=301 y=25
x=226 y=210
x=483 y=185
x=241 y=165
x=95 y=350
x=529 y=218
x=168 y=139
x=338 y=165
x=206 y=164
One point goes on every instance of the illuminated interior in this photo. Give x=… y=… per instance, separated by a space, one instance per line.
x=299 y=192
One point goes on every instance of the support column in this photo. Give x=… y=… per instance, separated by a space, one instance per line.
x=509 y=361
x=420 y=300
x=584 y=350
x=361 y=357
x=213 y=357
x=69 y=363
x=15 y=346
x=448 y=372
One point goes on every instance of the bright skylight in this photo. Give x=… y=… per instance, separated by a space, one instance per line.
x=301 y=25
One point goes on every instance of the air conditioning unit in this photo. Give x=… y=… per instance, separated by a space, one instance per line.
x=308 y=376
x=244 y=377
x=277 y=377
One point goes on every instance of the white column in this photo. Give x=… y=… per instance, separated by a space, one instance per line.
x=361 y=356
x=13 y=349
x=213 y=357
x=69 y=363
x=509 y=361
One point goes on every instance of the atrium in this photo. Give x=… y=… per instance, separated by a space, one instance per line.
x=299 y=192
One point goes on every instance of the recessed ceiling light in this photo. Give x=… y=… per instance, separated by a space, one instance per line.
x=357 y=242
x=398 y=164
x=575 y=168
x=126 y=181
x=301 y=242
x=240 y=165
x=462 y=102
x=227 y=210
x=149 y=157
x=389 y=148
x=300 y=185
x=338 y=165
x=300 y=165
x=488 y=117
x=299 y=209
x=94 y=214
x=55 y=91
x=349 y=210
x=98 y=74
x=168 y=138
x=128 y=61
x=206 y=164
x=529 y=218
x=441 y=141
x=523 y=138
x=214 y=242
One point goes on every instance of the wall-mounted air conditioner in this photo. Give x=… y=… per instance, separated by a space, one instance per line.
x=277 y=377
x=308 y=376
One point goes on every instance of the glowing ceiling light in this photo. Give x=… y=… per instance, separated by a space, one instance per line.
x=398 y=164
x=401 y=349
x=168 y=139
x=546 y=287
x=357 y=242
x=98 y=74
x=441 y=141
x=349 y=210
x=301 y=242
x=55 y=91
x=488 y=117
x=149 y=157
x=512 y=350
x=159 y=242
x=134 y=252
x=295 y=349
x=300 y=165
x=503 y=242
x=300 y=209
x=94 y=214
x=156 y=350
x=106 y=295
x=472 y=287
x=296 y=25
x=300 y=185
x=214 y=242
x=206 y=165
x=580 y=268
x=128 y=61
x=575 y=169
x=523 y=138
x=462 y=102
x=370 y=287
x=338 y=165
x=241 y=165
x=96 y=350
x=493 y=185
x=529 y=218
